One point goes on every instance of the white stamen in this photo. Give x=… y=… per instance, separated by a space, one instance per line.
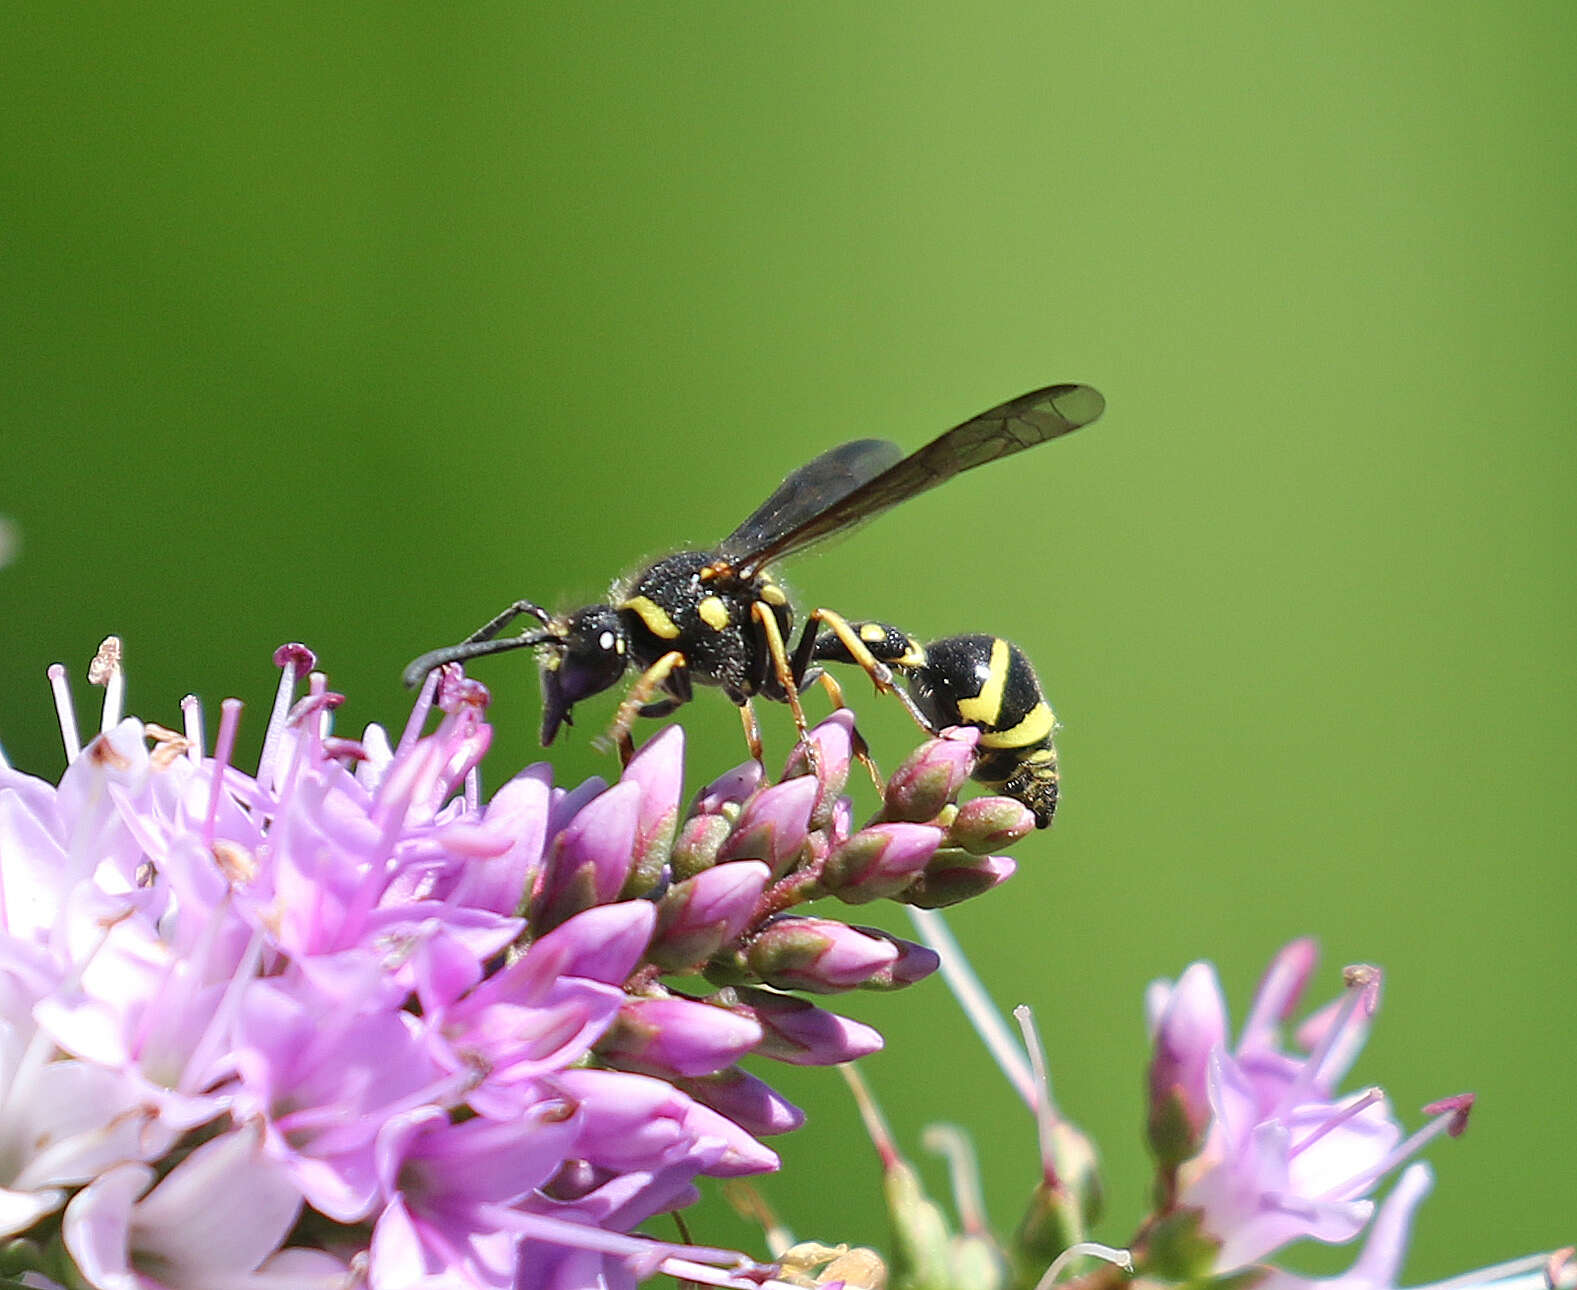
x=951 y=1143
x=975 y=1002
x=192 y=719
x=1361 y=985
x=1122 y=1258
x=1348 y=1112
x=106 y=670
x=224 y=748
x=65 y=712
x=276 y=721
x=1526 y=1273
x=1045 y=1116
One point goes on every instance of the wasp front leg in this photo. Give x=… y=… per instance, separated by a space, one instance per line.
x=669 y=673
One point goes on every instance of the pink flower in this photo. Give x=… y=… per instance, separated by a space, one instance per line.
x=348 y=984
x=1256 y=1145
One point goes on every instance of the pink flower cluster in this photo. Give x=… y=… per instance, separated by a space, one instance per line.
x=340 y=1022
x=1256 y=1147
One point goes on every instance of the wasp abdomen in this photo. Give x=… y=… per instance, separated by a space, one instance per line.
x=973 y=680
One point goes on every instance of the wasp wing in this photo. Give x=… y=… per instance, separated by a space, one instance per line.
x=1009 y=427
x=808 y=492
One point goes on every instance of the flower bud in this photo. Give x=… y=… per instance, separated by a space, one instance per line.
x=772 y=826
x=700 y=915
x=751 y=1103
x=732 y=789
x=833 y=740
x=955 y=875
x=700 y=838
x=880 y=861
x=659 y=770
x=799 y=1033
x=931 y=776
x=589 y=861
x=668 y=1036
x=912 y=962
x=988 y=824
x=1187 y=1021
x=818 y=955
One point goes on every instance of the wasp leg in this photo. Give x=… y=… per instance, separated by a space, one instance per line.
x=660 y=709
x=861 y=749
x=781 y=666
x=881 y=675
x=670 y=665
x=497 y=624
x=783 y=672
x=747 y=718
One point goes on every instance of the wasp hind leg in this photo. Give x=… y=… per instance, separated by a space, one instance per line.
x=858 y=653
x=861 y=749
x=747 y=718
x=667 y=672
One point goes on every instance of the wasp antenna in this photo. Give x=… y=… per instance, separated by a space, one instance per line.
x=419 y=668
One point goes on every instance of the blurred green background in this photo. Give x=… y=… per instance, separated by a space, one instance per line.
x=351 y=325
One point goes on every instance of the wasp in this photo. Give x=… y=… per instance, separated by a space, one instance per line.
x=719 y=617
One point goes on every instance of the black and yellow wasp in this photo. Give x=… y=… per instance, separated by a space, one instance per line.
x=719 y=618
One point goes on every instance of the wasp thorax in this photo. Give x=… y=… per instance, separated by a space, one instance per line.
x=589 y=658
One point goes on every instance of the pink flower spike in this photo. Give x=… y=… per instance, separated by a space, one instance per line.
x=329 y=984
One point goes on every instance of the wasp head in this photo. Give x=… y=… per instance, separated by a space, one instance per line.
x=588 y=656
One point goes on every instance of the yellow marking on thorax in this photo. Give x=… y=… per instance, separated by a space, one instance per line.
x=987 y=705
x=913 y=656
x=1032 y=730
x=653 y=615
x=714 y=613
x=772 y=593
x=873 y=633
